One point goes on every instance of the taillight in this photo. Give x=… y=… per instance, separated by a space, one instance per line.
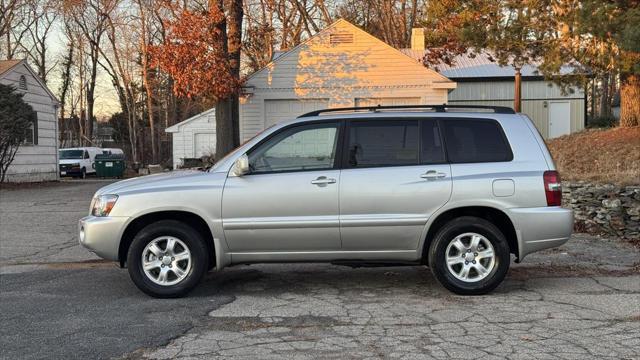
x=552 y=188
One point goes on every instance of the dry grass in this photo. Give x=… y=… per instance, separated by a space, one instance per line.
x=599 y=155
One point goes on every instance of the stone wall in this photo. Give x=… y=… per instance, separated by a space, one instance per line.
x=604 y=208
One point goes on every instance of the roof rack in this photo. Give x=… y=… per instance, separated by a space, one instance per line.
x=436 y=108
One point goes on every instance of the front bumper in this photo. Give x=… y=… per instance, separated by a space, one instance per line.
x=102 y=235
x=68 y=170
x=541 y=228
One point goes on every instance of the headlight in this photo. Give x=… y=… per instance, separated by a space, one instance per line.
x=102 y=205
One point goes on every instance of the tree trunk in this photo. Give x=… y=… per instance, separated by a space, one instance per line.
x=593 y=98
x=604 y=99
x=629 y=103
x=517 y=96
x=144 y=49
x=224 y=112
x=234 y=41
x=224 y=128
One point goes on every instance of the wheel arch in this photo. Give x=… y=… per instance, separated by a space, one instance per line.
x=496 y=216
x=190 y=218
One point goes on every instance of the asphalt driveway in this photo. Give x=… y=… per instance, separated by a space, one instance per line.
x=58 y=301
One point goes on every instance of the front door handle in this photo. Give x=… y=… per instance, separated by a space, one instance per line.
x=323 y=181
x=433 y=175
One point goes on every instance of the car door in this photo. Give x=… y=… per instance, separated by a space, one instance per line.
x=86 y=161
x=289 y=199
x=395 y=176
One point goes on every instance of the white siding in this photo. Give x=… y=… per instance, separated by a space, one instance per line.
x=184 y=140
x=35 y=162
x=367 y=68
x=536 y=96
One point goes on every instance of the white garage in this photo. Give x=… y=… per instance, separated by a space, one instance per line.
x=194 y=137
x=341 y=66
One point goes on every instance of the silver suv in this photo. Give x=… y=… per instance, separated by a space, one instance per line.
x=459 y=190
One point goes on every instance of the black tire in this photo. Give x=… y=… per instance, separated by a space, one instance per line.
x=459 y=226
x=194 y=241
x=83 y=174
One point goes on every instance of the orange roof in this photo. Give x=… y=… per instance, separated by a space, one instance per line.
x=6 y=65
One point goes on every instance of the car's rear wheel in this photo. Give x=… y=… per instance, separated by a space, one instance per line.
x=167 y=259
x=469 y=256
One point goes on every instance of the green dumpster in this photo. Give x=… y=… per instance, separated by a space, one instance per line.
x=110 y=165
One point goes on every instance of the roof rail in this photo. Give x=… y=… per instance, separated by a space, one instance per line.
x=436 y=108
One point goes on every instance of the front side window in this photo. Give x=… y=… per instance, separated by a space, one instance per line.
x=383 y=143
x=310 y=147
x=475 y=140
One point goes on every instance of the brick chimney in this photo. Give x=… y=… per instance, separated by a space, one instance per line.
x=417 y=39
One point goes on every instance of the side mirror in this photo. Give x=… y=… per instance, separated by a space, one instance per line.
x=241 y=166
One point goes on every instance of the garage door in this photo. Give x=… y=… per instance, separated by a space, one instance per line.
x=386 y=101
x=204 y=144
x=281 y=110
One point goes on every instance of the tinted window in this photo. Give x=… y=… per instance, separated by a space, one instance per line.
x=432 y=149
x=475 y=140
x=383 y=143
x=311 y=147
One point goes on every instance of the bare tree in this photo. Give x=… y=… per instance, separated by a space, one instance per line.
x=122 y=67
x=91 y=18
x=42 y=16
x=15 y=21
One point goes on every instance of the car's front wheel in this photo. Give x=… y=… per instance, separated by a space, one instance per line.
x=167 y=259
x=469 y=256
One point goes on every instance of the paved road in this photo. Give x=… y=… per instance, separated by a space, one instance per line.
x=57 y=301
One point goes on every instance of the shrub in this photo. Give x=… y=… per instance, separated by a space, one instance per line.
x=16 y=117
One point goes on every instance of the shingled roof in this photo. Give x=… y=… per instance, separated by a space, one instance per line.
x=6 y=65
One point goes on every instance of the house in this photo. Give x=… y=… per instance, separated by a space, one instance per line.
x=481 y=81
x=341 y=66
x=37 y=158
x=194 y=137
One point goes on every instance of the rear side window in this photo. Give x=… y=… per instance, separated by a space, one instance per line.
x=432 y=148
x=383 y=143
x=475 y=140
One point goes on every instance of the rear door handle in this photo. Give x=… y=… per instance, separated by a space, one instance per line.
x=323 y=180
x=433 y=175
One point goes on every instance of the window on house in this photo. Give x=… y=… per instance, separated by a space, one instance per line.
x=28 y=138
x=22 y=83
x=31 y=134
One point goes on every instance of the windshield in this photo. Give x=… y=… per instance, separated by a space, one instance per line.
x=71 y=154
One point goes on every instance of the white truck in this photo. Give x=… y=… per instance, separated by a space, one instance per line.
x=78 y=162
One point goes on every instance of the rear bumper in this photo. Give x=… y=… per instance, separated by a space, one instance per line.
x=102 y=235
x=541 y=228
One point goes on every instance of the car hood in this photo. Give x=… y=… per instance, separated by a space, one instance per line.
x=171 y=180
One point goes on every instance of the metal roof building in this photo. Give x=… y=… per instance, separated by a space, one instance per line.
x=482 y=81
